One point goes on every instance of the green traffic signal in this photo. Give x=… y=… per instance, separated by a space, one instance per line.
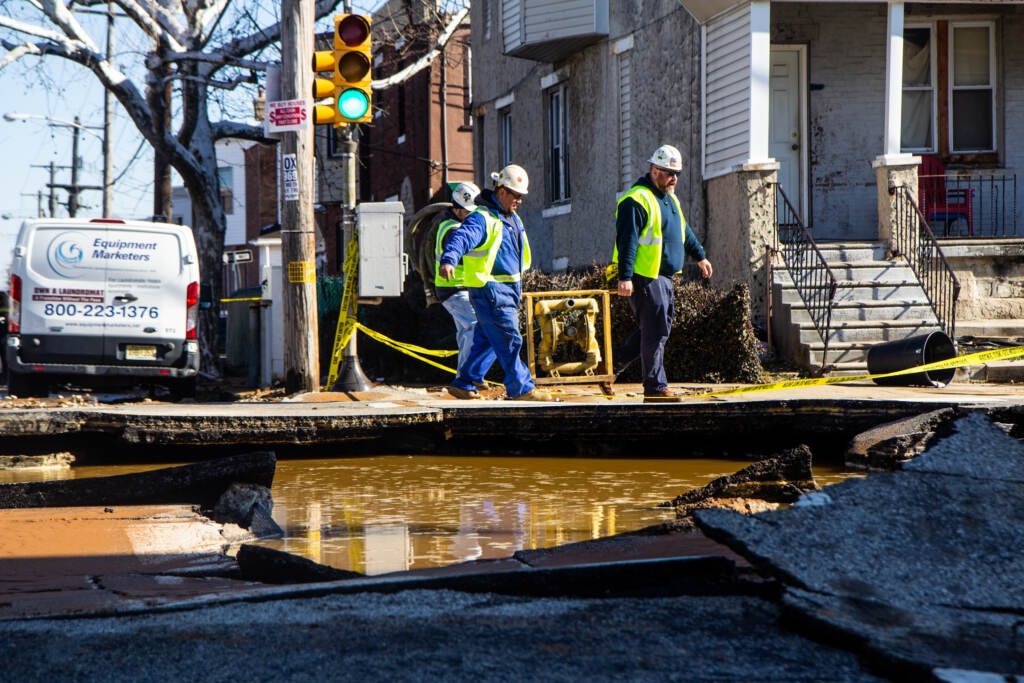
x=353 y=103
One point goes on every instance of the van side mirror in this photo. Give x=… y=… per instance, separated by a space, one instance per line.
x=205 y=296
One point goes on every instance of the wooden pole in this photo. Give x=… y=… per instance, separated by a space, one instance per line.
x=298 y=245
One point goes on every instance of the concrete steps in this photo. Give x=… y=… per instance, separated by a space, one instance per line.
x=877 y=300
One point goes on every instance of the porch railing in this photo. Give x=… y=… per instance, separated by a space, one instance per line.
x=814 y=280
x=969 y=204
x=916 y=242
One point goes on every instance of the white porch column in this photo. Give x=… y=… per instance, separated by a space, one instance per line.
x=891 y=154
x=892 y=167
x=760 y=73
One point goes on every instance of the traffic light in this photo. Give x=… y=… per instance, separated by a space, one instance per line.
x=349 y=87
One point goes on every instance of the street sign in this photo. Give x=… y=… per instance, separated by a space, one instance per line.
x=286 y=115
x=240 y=256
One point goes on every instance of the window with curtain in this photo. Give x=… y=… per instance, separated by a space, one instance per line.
x=949 y=99
x=918 y=134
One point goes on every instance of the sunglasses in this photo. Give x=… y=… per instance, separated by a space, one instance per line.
x=674 y=174
x=515 y=195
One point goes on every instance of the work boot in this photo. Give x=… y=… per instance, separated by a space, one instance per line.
x=662 y=396
x=464 y=394
x=481 y=386
x=535 y=395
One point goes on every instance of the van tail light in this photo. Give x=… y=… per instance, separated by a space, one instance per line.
x=14 y=314
x=191 y=310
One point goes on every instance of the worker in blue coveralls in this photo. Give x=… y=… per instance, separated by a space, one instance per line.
x=650 y=242
x=451 y=291
x=492 y=246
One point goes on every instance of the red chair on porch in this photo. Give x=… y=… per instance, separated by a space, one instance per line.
x=939 y=203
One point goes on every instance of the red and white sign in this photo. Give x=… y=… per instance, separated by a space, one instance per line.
x=287 y=115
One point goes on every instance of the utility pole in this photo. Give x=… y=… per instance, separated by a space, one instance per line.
x=108 y=115
x=298 y=244
x=73 y=191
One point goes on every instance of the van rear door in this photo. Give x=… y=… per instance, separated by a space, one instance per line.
x=63 y=296
x=146 y=287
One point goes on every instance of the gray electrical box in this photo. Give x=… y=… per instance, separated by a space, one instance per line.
x=382 y=262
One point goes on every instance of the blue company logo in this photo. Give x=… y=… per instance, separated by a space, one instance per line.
x=65 y=253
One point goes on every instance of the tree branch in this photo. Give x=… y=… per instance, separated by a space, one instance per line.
x=424 y=61
x=242 y=131
x=225 y=85
x=219 y=58
x=155 y=21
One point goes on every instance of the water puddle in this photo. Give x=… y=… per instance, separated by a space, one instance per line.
x=390 y=513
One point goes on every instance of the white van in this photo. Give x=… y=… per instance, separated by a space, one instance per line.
x=98 y=301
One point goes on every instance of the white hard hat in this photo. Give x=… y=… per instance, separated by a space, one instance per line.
x=464 y=195
x=668 y=157
x=513 y=177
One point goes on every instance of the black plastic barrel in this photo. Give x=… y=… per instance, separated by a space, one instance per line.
x=911 y=352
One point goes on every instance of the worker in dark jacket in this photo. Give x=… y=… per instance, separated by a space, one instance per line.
x=494 y=250
x=651 y=241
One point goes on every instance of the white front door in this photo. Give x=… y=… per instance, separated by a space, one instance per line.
x=787 y=134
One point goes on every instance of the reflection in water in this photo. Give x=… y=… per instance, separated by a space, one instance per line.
x=389 y=513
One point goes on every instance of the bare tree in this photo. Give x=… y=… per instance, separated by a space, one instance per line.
x=202 y=47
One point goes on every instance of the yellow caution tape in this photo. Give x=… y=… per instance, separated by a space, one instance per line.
x=346 y=323
x=409 y=349
x=1005 y=353
x=247 y=298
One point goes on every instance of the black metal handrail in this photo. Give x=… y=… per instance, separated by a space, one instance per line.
x=807 y=267
x=916 y=243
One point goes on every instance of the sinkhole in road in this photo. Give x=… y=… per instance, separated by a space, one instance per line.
x=383 y=513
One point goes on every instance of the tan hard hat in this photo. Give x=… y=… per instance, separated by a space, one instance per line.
x=465 y=195
x=668 y=157
x=512 y=177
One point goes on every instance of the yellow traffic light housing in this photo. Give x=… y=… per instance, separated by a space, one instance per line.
x=350 y=64
x=353 y=55
x=323 y=60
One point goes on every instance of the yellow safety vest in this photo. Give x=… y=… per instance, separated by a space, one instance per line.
x=458 y=279
x=479 y=262
x=648 y=250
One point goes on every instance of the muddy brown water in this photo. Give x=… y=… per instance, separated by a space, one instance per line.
x=394 y=512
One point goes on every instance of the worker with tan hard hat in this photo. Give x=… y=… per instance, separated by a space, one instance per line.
x=492 y=245
x=651 y=241
x=452 y=292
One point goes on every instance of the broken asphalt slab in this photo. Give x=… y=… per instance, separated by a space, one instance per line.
x=920 y=569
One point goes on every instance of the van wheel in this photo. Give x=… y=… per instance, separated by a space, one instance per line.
x=26 y=386
x=182 y=388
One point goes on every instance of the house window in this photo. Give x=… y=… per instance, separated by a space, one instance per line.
x=467 y=86
x=225 y=178
x=481 y=151
x=506 y=136
x=487 y=19
x=949 y=93
x=972 y=91
x=335 y=136
x=558 y=144
x=625 y=120
x=918 y=134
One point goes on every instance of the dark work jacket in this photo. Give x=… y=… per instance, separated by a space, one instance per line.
x=630 y=221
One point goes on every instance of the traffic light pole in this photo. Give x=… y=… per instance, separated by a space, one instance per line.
x=298 y=245
x=350 y=375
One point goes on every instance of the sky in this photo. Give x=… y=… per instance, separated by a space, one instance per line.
x=56 y=88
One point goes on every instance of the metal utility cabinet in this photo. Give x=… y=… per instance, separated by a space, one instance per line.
x=382 y=262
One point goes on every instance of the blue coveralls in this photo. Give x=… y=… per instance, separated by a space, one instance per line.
x=496 y=303
x=653 y=298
